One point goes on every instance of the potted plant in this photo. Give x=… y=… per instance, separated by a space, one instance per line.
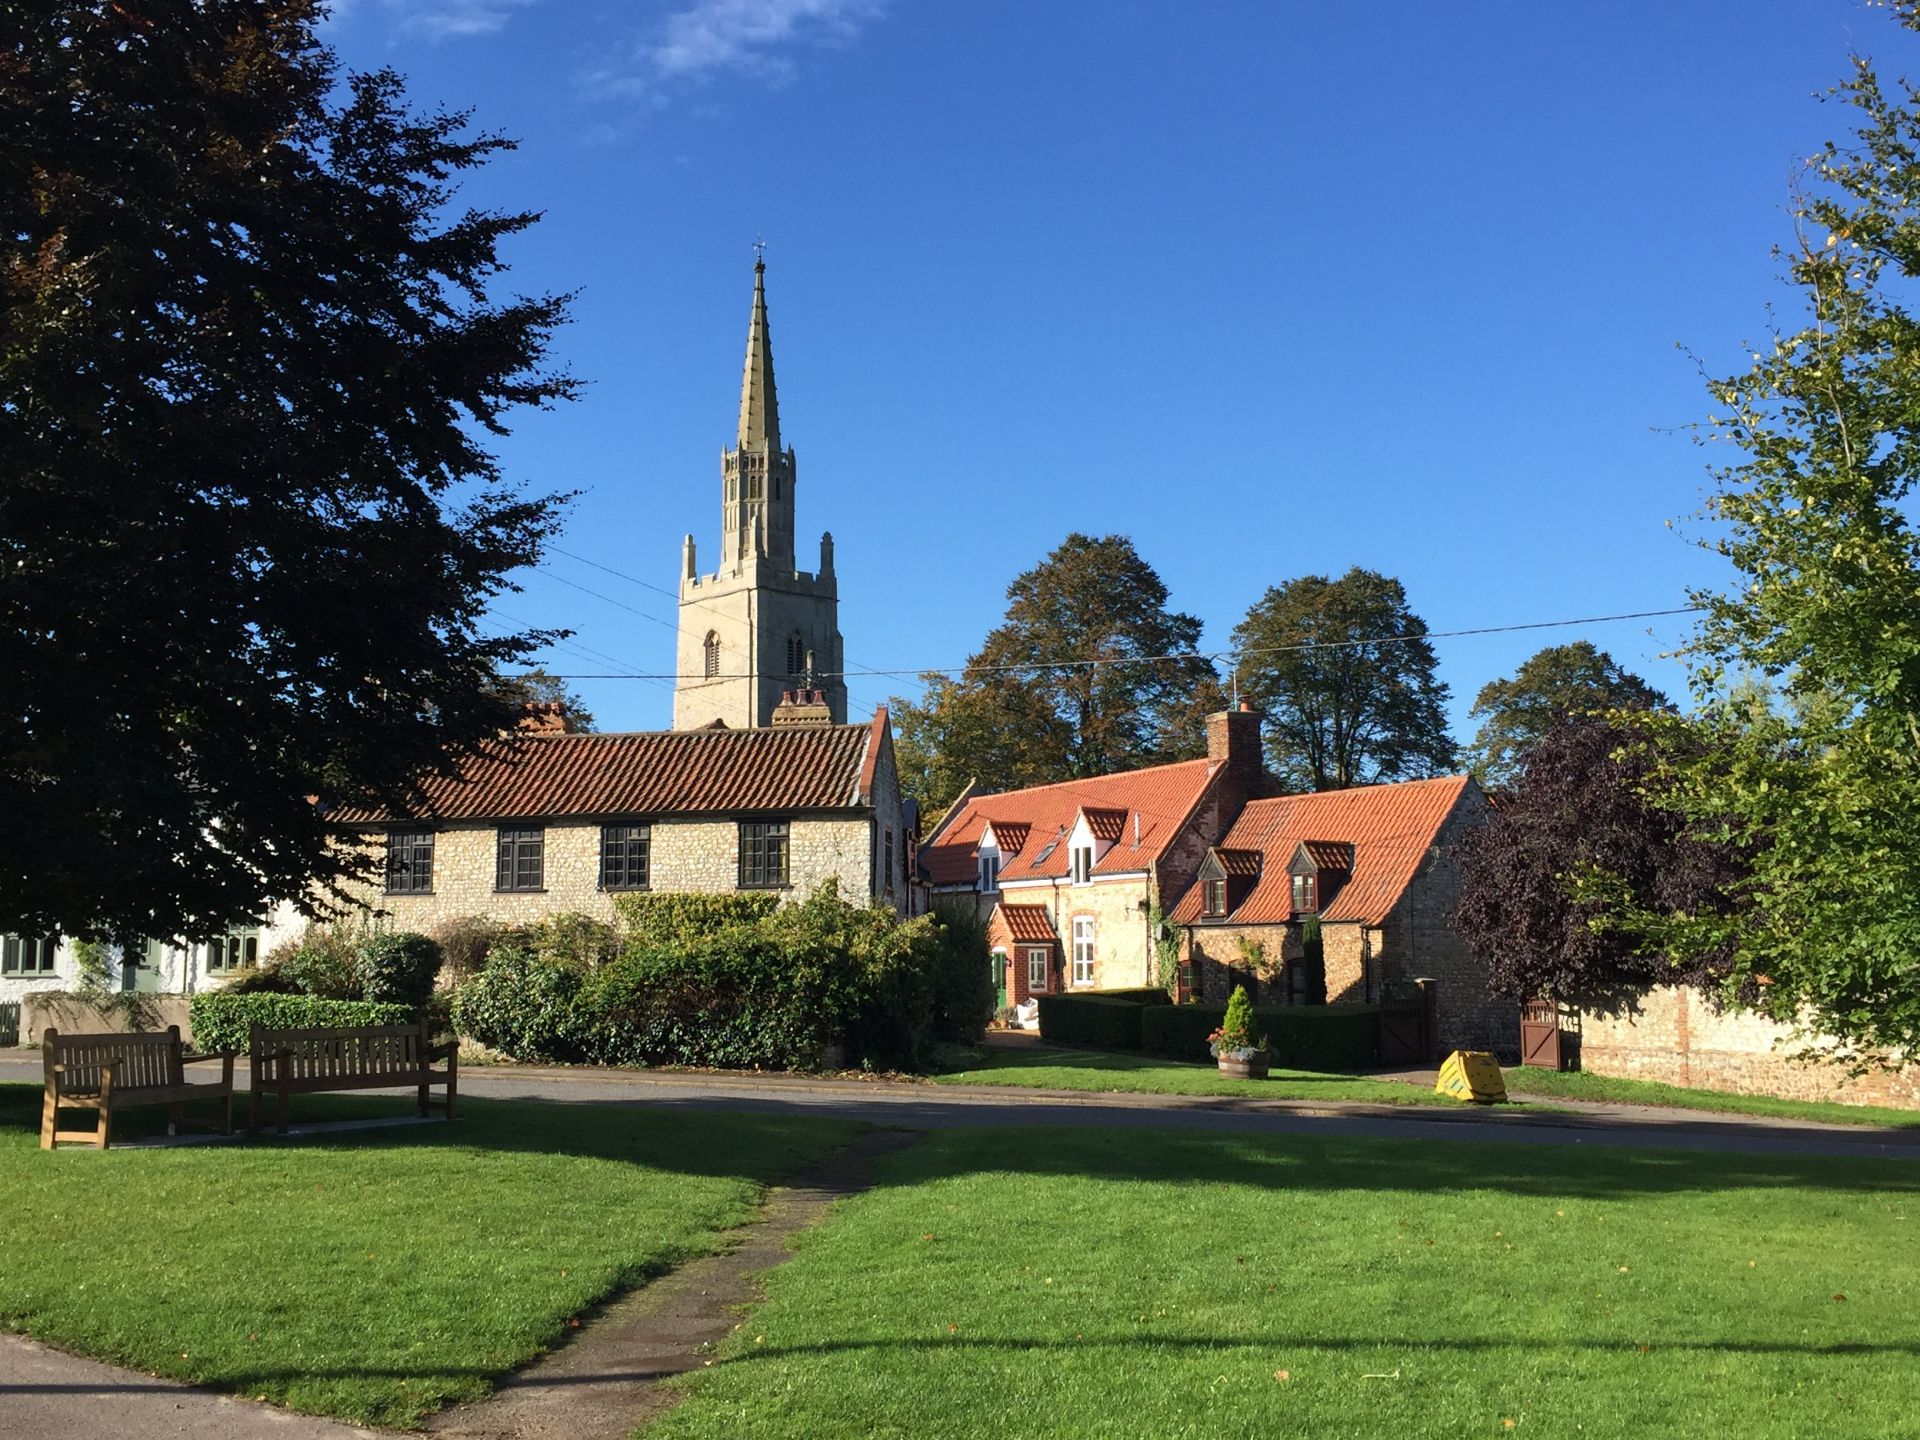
x=1240 y=1054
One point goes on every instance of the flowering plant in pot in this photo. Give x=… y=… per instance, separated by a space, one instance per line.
x=1234 y=1045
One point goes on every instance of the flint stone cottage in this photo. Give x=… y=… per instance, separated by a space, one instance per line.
x=1373 y=867
x=547 y=823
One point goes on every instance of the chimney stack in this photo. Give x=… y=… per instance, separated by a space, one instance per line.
x=802 y=709
x=1233 y=746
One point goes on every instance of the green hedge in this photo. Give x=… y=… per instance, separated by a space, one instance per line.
x=1337 y=1038
x=1140 y=995
x=220 y=1021
x=666 y=920
x=1091 y=1021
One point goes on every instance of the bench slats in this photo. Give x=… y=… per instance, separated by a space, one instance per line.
x=105 y=1073
x=290 y=1062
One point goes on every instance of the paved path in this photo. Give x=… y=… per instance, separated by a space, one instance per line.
x=50 y=1395
x=933 y=1107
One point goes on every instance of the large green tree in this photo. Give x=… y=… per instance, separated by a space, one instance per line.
x=1068 y=685
x=249 y=370
x=1555 y=684
x=1815 y=517
x=1345 y=674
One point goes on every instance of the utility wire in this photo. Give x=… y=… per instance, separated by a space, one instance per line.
x=1305 y=645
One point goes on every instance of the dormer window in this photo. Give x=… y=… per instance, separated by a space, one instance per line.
x=1318 y=870
x=1305 y=901
x=1226 y=878
x=1082 y=864
x=1216 y=899
x=990 y=870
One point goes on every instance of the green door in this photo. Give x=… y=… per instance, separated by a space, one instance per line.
x=999 y=981
x=140 y=966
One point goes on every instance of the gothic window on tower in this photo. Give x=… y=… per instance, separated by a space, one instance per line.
x=796 y=655
x=712 y=655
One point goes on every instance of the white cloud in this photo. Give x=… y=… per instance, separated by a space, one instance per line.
x=454 y=19
x=711 y=36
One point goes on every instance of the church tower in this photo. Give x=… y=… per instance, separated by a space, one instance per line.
x=756 y=626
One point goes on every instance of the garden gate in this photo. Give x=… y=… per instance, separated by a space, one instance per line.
x=1540 y=1035
x=1407 y=1023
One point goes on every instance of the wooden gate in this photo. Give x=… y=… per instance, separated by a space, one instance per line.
x=1406 y=1028
x=1540 y=1035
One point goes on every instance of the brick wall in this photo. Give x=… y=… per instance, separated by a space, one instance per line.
x=1122 y=957
x=1672 y=1035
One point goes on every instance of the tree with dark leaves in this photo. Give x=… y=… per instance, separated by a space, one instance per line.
x=1576 y=840
x=249 y=367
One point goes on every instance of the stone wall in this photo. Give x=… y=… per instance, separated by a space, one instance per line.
x=1122 y=957
x=1671 y=1034
x=71 y=1015
x=685 y=855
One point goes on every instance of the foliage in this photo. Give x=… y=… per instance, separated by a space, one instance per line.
x=962 y=976
x=742 y=985
x=525 y=1007
x=326 y=962
x=1098 y=1022
x=90 y=971
x=539 y=686
x=464 y=942
x=1010 y=722
x=398 y=968
x=1816 y=520
x=220 y=1019
x=1558 y=683
x=1578 y=839
x=577 y=941
x=1236 y=1038
x=659 y=919
x=1166 y=950
x=1366 y=708
x=1337 y=1038
x=247 y=345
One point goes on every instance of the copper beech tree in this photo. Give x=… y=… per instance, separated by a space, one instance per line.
x=249 y=368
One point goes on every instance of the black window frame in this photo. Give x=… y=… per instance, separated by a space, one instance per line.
x=514 y=846
x=15 y=951
x=408 y=867
x=759 y=842
x=632 y=833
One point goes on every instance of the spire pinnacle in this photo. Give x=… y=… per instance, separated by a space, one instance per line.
x=759 y=410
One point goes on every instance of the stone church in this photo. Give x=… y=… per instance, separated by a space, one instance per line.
x=757 y=626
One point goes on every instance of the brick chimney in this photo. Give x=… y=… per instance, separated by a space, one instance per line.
x=1233 y=746
x=802 y=709
x=548 y=717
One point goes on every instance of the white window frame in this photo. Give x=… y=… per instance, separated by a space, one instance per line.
x=989 y=871
x=1037 y=957
x=1082 y=951
x=1082 y=860
x=233 y=952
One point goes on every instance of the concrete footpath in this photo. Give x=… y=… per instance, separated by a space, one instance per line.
x=50 y=1395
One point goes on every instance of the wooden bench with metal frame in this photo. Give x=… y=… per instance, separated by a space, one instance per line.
x=105 y=1073
x=285 y=1063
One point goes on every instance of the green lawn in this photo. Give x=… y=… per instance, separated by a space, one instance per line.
x=1529 y=1080
x=1052 y=1069
x=1019 y=1283
x=371 y=1274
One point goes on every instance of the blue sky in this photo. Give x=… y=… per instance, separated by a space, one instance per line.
x=1274 y=288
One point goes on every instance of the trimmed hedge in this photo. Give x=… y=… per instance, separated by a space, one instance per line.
x=1139 y=995
x=220 y=1021
x=1337 y=1038
x=1091 y=1021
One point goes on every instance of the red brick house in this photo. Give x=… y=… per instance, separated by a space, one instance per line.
x=1372 y=866
x=1068 y=875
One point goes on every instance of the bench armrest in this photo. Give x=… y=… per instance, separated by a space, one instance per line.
x=444 y=1052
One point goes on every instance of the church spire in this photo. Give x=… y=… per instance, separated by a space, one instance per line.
x=759 y=409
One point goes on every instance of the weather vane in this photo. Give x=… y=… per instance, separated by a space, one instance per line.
x=759 y=250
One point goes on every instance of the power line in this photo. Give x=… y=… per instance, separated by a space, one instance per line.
x=1078 y=664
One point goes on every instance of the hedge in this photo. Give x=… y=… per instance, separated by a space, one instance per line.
x=220 y=1021
x=1337 y=1038
x=1139 y=995
x=667 y=920
x=1091 y=1021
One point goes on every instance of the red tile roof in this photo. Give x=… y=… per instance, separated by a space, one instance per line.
x=1390 y=827
x=1107 y=825
x=655 y=772
x=1029 y=924
x=1243 y=864
x=1011 y=836
x=1328 y=854
x=1161 y=797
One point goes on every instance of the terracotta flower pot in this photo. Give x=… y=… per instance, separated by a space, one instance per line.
x=1252 y=1068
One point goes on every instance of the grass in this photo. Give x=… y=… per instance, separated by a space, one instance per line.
x=1037 y=1283
x=372 y=1275
x=1530 y=1080
x=1098 y=1070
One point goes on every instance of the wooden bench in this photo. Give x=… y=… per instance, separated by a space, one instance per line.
x=105 y=1073
x=285 y=1063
